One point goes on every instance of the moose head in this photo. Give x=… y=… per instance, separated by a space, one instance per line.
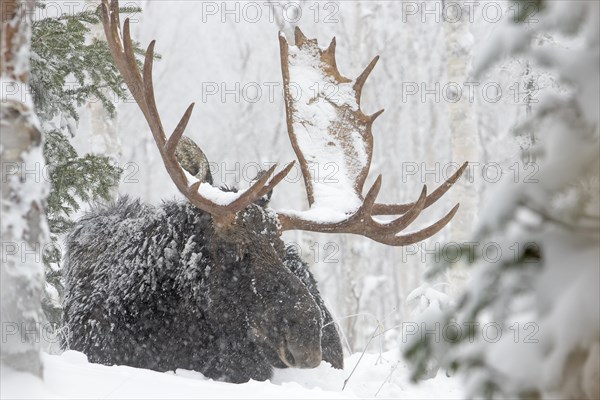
x=254 y=302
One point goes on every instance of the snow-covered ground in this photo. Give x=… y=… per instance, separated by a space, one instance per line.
x=70 y=375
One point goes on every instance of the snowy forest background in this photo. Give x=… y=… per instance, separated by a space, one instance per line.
x=526 y=120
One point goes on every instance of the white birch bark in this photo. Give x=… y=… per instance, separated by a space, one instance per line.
x=23 y=224
x=464 y=139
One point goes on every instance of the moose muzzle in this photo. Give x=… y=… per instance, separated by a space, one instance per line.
x=300 y=357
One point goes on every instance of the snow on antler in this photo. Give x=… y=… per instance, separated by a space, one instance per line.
x=329 y=133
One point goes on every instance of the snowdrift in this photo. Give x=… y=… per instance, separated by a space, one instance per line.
x=70 y=375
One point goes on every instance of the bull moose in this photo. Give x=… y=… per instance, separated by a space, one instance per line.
x=207 y=284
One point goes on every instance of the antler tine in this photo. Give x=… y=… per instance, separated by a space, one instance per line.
x=393 y=227
x=114 y=8
x=371 y=196
x=375 y=115
x=111 y=32
x=174 y=139
x=365 y=213
x=254 y=191
x=396 y=209
x=421 y=235
x=362 y=78
x=406 y=219
x=141 y=86
x=276 y=179
x=148 y=82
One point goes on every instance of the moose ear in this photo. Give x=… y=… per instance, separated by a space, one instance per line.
x=193 y=160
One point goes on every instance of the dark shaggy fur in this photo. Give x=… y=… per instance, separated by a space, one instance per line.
x=161 y=288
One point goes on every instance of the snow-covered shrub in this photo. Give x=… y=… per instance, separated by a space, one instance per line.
x=541 y=296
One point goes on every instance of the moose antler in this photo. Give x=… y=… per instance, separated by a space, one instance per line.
x=141 y=87
x=321 y=128
x=333 y=128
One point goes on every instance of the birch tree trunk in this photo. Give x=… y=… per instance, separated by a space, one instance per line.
x=463 y=128
x=23 y=223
